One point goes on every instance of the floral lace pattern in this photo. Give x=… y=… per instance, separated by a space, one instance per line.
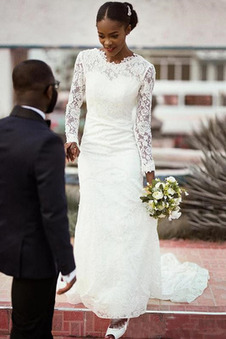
x=75 y=102
x=143 y=122
x=133 y=77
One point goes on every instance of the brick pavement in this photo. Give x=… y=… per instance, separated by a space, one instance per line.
x=204 y=318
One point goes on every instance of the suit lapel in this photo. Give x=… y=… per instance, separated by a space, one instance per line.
x=25 y=113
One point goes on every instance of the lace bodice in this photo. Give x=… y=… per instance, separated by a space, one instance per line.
x=115 y=93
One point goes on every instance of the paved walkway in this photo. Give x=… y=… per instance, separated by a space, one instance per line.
x=209 y=255
x=211 y=304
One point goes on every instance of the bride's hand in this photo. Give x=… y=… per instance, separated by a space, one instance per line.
x=71 y=151
x=150 y=176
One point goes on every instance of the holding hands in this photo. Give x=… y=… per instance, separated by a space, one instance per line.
x=71 y=150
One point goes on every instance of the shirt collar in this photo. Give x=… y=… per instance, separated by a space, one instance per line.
x=35 y=109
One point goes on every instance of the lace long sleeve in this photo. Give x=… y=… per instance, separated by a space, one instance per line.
x=75 y=101
x=143 y=121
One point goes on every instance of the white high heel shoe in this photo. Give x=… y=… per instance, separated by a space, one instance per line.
x=117 y=332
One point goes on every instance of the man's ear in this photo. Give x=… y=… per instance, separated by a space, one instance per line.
x=49 y=92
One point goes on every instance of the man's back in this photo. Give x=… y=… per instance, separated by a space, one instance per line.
x=31 y=181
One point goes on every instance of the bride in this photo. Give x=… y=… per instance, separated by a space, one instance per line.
x=116 y=242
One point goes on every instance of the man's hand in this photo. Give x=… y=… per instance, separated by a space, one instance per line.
x=71 y=151
x=67 y=287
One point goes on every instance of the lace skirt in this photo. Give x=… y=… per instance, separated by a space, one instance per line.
x=116 y=243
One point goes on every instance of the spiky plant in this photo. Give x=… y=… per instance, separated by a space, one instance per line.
x=210 y=136
x=206 y=204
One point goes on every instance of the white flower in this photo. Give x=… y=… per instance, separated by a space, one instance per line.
x=159 y=184
x=177 y=201
x=157 y=195
x=171 y=179
x=170 y=191
x=186 y=193
x=151 y=204
x=161 y=207
x=174 y=215
x=162 y=216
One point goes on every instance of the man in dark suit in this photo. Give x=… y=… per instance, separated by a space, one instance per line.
x=34 y=235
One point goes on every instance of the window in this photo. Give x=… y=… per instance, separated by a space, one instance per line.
x=203 y=72
x=157 y=69
x=185 y=72
x=172 y=67
x=171 y=72
x=220 y=72
x=198 y=100
x=171 y=100
x=223 y=99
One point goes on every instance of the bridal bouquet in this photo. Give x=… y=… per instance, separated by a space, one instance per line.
x=163 y=198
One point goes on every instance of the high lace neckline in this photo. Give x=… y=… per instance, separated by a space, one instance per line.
x=124 y=60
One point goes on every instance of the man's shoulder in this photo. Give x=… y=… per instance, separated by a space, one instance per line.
x=48 y=136
x=4 y=120
x=36 y=131
x=5 y=124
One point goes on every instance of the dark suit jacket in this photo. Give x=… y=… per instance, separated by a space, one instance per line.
x=34 y=235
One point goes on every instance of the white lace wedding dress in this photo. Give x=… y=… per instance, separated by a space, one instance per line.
x=116 y=242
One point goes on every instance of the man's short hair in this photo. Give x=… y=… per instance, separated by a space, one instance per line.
x=31 y=75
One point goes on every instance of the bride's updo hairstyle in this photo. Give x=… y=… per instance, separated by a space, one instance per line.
x=118 y=11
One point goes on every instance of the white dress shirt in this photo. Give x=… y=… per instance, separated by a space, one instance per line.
x=36 y=110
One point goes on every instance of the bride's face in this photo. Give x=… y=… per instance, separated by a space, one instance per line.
x=112 y=35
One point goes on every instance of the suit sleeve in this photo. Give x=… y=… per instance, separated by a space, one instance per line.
x=49 y=171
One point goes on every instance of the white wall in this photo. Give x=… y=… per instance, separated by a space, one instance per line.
x=197 y=23
x=5 y=83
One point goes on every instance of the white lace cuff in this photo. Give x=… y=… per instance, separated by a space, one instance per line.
x=72 y=138
x=148 y=167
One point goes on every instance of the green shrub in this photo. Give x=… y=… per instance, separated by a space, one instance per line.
x=72 y=212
